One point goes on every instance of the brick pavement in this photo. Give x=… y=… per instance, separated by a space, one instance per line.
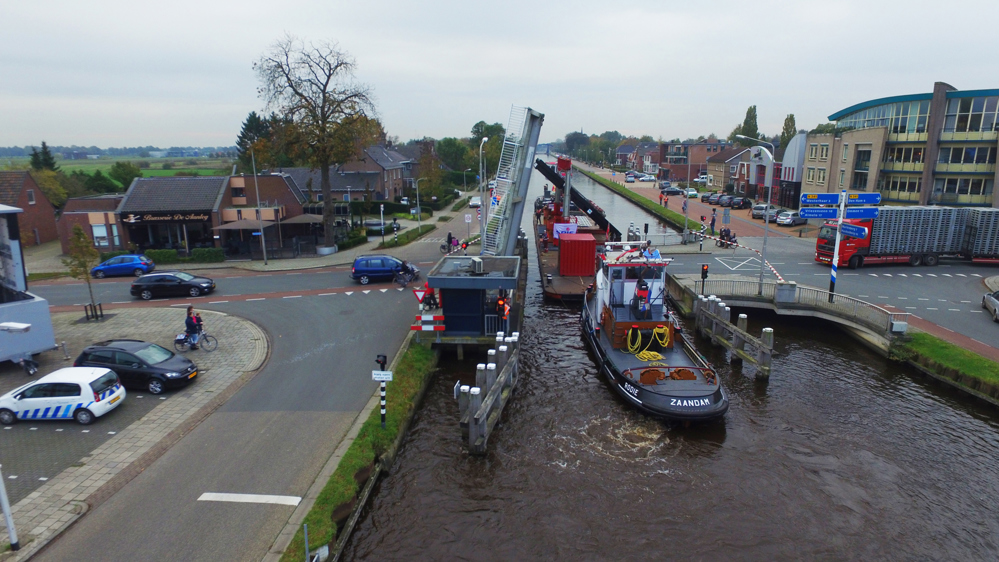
x=55 y=505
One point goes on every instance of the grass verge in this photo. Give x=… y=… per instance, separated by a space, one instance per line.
x=414 y=367
x=462 y=203
x=46 y=275
x=951 y=356
x=407 y=236
x=672 y=217
x=444 y=218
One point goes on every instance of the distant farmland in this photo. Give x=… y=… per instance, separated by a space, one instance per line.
x=200 y=166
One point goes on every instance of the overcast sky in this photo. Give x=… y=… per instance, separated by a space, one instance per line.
x=128 y=73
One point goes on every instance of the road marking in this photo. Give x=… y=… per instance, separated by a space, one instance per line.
x=43 y=479
x=873 y=274
x=182 y=304
x=910 y=308
x=966 y=302
x=902 y=275
x=928 y=308
x=140 y=396
x=954 y=309
x=916 y=275
x=217 y=302
x=791 y=274
x=33 y=429
x=903 y=298
x=58 y=430
x=119 y=302
x=293 y=297
x=931 y=274
x=86 y=431
x=960 y=275
x=325 y=294
x=822 y=274
x=975 y=311
x=292 y=273
x=805 y=263
x=260 y=299
x=399 y=289
x=983 y=343
x=851 y=274
x=12 y=477
x=348 y=293
x=922 y=299
x=863 y=296
x=886 y=274
x=881 y=297
x=249 y=498
x=112 y=432
x=942 y=300
x=947 y=275
x=382 y=290
x=366 y=292
x=976 y=275
x=771 y=263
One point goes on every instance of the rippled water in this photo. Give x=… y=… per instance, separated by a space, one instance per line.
x=842 y=455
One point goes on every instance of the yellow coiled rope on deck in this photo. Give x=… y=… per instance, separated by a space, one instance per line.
x=660 y=334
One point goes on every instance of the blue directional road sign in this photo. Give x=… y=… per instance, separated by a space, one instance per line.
x=818 y=213
x=820 y=199
x=863 y=199
x=861 y=213
x=853 y=230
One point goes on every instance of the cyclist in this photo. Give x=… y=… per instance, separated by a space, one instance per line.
x=191 y=327
x=407 y=271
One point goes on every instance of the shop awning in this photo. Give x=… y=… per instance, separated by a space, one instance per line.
x=303 y=219
x=245 y=224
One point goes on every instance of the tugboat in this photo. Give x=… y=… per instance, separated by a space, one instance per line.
x=639 y=344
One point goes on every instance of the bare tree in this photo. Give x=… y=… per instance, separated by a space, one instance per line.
x=313 y=85
x=82 y=258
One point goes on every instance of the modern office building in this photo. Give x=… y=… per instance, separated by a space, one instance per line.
x=936 y=148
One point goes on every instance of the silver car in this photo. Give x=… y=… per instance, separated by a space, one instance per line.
x=990 y=302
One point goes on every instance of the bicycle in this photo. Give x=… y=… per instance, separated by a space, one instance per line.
x=404 y=279
x=207 y=342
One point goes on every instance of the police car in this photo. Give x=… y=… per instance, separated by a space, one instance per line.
x=80 y=393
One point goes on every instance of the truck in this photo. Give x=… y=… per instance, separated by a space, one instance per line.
x=917 y=235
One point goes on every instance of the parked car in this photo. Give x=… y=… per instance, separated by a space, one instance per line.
x=128 y=264
x=990 y=302
x=790 y=218
x=79 y=393
x=647 y=178
x=664 y=184
x=774 y=213
x=629 y=179
x=475 y=202
x=140 y=365
x=691 y=192
x=705 y=196
x=725 y=200
x=374 y=267
x=741 y=203
x=632 y=173
x=701 y=180
x=759 y=209
x=672 y=191
x=171 y=284
x=713 y=199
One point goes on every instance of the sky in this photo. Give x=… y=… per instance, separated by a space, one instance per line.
x=126 y=73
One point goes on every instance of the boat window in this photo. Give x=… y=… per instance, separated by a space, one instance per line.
x=617 y=273
x=644 y=272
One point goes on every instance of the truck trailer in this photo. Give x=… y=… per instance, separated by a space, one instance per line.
x=915 y=235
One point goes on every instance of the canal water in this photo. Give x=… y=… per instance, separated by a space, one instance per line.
x=841 y=455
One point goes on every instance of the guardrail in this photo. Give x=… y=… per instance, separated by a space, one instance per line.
x=790 y=295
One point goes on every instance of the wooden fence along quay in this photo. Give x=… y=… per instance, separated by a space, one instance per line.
x=482 y=405
x=713 y=320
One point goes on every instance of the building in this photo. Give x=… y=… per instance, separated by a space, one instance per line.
x=723 y=167
x=625 y=156
x=172 y=212
x=931 y=148
x=96 y=215
x=394 y=172
x=674 y=158
x=344 y=186
x=37 y=221
x=647 y=157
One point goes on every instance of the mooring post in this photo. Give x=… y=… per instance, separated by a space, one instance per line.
x=738 y=342
x=490 y=376
x=491 y=358
x=480 y=375
x=463 y=400
x=717 y=329
x=766 y=353
x=474 y=403
x=501 y=356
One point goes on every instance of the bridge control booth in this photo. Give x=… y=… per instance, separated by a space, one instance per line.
x=470 y=292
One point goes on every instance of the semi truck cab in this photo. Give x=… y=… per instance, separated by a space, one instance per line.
x=848 y=245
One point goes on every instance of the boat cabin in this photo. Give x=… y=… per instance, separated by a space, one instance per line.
x=631 y=295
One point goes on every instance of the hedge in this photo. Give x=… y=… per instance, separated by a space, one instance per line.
x=408 y=236
x=352 y=242
x=163 y=257
x=105 y=256
x=208 y=255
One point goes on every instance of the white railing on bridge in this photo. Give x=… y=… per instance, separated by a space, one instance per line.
x=507 y=174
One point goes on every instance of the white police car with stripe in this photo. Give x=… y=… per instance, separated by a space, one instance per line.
x=80 y=393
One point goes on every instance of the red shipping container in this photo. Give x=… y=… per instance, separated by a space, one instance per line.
x=577 y=255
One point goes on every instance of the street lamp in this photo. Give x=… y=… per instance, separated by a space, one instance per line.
x=482 y=193
x=768 y=179
x=464 y=186
x=419 y=211
x=263 y=243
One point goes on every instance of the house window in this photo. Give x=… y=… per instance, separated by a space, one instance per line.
x=813 y=151
x=824 y=152
x=731 y=169
x=810 y=175
x=842 y=174
x=31 y=197
x=821 y=178
x=238 y=192
x=846 y=150
x=100 y=235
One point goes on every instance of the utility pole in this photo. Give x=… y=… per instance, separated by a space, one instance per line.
x=263 y=243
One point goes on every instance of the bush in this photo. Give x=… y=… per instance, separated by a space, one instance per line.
x=162 y=257
x=191 y=162
x=408 y=236
x=353 y=241
x=207 y=255
x=105 y=256
x=167 y=165
x=143 y=164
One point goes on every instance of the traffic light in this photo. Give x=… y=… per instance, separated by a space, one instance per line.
x=381 y=360
x=500 y=303
x=704 y=218
x=704 y=271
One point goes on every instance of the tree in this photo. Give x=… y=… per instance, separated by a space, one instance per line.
x=254 y=128
x=646 y=138
x=99 y=183
x=43 y=160
x=124 y=173
x=789 y=131
x=453 y=153
x=48 y=181
x=575 y=140
x=748 y=128
x=313 y=86
x=83 y=256
x=613 y=137
x=824 y=128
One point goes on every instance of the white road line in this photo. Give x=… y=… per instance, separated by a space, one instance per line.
x=902 y=275
x=966 y=302
x=954 y=309
x=43 y=479
x=292 y=273
x=960 y=275
x=293 y=297
x=119 y=302
x=348 y=293
x=863 y=296
x=873 y=274
x=942 y=300
x=851 y=274
x=216 y=302
x=975 y=311
x=903 y=298
x=260 y=299
x=791 y=274
x=976 y=275
x=382 y=290
x=947 y=275
x=805 y=262
x=59 y=430
x=928 y=308
x=183 y=304
x=249 y=498
x=112 y=432
x=916 y=275
x=922 y=299
x=12 y=477
x=325 y=294
x=910 y=308
x=882 y=297
x=776 y=263
x=931 y=274
x=85 y=431
x=822 y=274
x=886 y=274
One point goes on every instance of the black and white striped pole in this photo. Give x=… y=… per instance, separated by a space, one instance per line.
x=382 y=376
x=8 y=517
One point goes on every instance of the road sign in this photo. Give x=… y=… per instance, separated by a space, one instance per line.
x=863 y=199
x=820 y=199
x=381 y=376
x=818 y=213
x=468 y=217
x=861 y=213
x=420 y=293
x=854 y=230
x=726 y=216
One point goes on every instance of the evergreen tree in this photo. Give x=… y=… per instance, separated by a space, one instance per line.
x=124 y=173
x=254 y=129
x=99 y=183
x=790 y=130
x=43 y=160
x=749 y=127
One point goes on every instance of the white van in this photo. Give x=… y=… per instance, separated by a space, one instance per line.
x=80 y=393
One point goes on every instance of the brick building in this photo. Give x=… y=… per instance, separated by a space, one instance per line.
x=96 y=215
x=37 y=223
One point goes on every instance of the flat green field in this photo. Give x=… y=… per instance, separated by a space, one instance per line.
x=203 y=166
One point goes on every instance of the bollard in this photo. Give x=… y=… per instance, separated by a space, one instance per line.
x=480 y=375
x=474 y=403
x=306 y=526
x=738 y=341
x=8 y=517
x=65 y=353
x=490 y=360
x=463 y=400
x=549 y=279
x=742 y=323
x=502 y=354
x=490 y=376
x=500 y=335
x=765 y=353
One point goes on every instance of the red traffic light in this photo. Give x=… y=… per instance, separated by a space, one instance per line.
x=704 y=271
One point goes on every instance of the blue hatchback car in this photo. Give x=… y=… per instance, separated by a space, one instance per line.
x=128 y=264
x=375 y=267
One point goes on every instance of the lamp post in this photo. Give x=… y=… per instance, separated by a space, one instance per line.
x=464 y=186
x=419 y=211
x=768 y=179
x=263 y=243
x=482 y=193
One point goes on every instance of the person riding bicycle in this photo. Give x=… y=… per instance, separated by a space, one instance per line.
x=732 y=240
x=191 y=327
x=407 y=271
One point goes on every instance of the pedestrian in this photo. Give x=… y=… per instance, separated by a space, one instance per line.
x=544 y=240
x=666 y=203
x=450 y=238
x=714 y=215
x=660 y=198
x=191 y=327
